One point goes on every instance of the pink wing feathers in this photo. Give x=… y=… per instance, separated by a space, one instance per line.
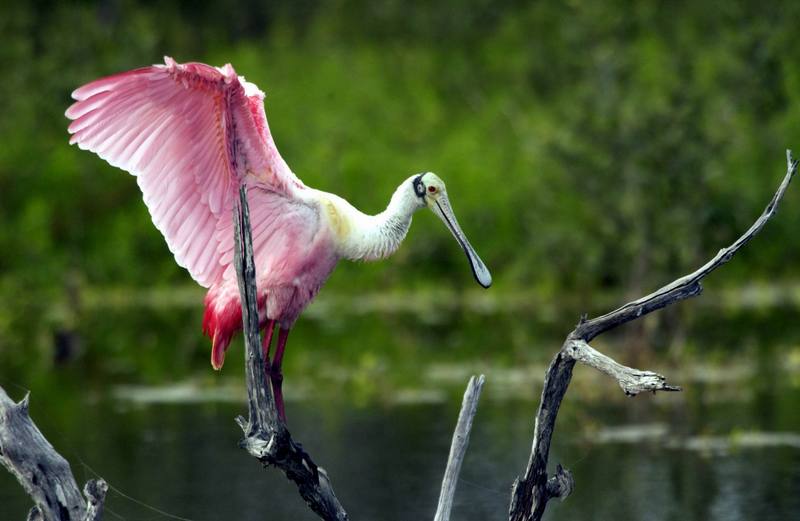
x=189 y=132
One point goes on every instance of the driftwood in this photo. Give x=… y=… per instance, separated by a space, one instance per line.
x=44 y=473
x=534 y=489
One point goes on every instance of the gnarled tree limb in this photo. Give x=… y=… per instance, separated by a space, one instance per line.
x=531 y=492
x=44 y=473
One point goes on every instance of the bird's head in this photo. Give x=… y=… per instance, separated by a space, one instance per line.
x=430 y=190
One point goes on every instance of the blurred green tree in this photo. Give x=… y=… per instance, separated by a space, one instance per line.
x=593 y=150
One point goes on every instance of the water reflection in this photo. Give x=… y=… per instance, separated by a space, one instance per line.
x=386 y=461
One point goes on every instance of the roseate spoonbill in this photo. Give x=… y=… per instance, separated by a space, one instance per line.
x=190 y=133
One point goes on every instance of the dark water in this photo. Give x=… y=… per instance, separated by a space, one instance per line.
x=386 y=461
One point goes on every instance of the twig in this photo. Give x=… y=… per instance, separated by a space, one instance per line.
x=531 y=493
x=266 y=436
x=458 y=447
x=44 y=473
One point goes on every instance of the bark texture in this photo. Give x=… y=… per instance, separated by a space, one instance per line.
x=44 y=473
x=265 y=435
x=458 y=447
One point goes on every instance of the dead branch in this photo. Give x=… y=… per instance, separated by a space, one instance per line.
x=632 y=381
x=458 y=447
x=531 y=493
x=266 y=436
x=44 y=473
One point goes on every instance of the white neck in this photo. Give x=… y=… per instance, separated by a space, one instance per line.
x=372 y=237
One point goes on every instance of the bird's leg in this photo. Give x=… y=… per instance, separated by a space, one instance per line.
x=270 y=327
x=276 y=374
x=265 y=343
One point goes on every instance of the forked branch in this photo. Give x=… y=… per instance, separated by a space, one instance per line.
x=533 y=490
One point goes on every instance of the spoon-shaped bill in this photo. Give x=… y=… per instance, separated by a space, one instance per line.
x=441 y=207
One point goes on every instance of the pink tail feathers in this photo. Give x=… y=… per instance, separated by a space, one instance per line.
x=221 y=321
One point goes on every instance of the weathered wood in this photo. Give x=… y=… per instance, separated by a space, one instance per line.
x=529 y=495
x=531 y=492
x=43 y=473
x=95 y=492
x=632 y=381
x=261 y=402
x=266 y=436
x=458 y=447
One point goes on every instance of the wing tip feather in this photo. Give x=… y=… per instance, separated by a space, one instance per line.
x=107 y=83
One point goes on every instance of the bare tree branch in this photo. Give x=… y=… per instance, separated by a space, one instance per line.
x=458 y=447
x=531 y=493
x=632 y=381
x=266 y=436
x=44 y=473
x=688 y=285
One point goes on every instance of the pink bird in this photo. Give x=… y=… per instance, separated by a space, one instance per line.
x=191 y=133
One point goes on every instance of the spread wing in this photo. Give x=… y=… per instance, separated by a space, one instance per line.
x=189 y=132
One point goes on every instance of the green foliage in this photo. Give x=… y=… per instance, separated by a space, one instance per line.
x=588 y=147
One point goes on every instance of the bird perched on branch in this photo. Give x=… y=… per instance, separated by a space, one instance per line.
x=191 y=134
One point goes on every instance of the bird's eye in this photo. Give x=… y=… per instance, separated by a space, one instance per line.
x=432 y=189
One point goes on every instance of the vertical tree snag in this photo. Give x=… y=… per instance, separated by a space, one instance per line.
x=533 y=490
x=458 y=447
x=266 y=436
